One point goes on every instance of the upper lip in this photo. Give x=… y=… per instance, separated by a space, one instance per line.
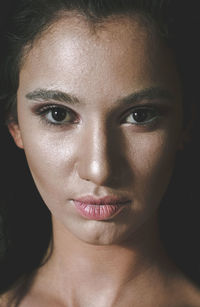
x=106 y=200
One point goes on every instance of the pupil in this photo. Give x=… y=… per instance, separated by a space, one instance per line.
x=140 y=116
x=58 y=114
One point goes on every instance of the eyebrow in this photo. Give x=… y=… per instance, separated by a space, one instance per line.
x=151 y=93
x=56 y=95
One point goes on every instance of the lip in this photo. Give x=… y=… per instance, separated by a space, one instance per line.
x=100 y=208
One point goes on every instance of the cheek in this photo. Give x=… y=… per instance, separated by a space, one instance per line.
x=151 y=158
x=51 y=158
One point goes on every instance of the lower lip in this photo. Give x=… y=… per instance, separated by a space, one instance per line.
x=99 y=212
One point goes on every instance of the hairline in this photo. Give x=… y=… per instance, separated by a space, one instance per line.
x=94 y=23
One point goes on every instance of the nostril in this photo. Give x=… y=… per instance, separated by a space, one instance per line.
x=97 y=160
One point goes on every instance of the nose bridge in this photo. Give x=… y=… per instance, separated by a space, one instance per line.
x=95 y=161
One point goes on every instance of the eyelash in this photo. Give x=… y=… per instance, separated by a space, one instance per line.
x=151 y=110
x=44 y=110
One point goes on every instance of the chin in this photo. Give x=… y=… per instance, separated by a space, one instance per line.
x=103 y=232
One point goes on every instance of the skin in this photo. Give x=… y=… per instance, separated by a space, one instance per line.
x=116 y=260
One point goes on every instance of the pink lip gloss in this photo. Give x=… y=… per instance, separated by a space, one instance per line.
x=100 y=209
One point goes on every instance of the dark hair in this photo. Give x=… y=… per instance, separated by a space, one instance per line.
x=25 y=227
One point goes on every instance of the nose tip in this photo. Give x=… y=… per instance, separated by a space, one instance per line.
x=97 y=159
x=96 y=168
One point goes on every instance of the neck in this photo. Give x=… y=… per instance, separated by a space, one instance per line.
x=74 y=262
x=134 y=252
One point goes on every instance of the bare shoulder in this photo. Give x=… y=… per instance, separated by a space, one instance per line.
x=192 y=296
x=187 y=293
x=4 y=300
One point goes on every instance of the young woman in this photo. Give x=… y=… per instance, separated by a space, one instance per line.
x=94 y=96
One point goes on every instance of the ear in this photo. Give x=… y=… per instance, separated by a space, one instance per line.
x=14 y=130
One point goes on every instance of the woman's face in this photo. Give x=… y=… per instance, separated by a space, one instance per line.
x=100 y=114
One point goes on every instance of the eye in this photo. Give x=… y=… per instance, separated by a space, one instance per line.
x=141 y=116
x=56 y=115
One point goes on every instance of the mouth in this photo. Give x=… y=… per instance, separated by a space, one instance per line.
x=100 y=208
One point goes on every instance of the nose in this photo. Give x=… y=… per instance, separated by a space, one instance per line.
x=98 y=159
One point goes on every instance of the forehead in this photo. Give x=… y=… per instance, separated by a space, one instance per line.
x=73 y=37
x=121 y=52
x=75 y=26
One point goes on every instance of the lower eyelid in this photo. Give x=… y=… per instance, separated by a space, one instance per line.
x=43 y=110
x=48 y=114
x=155 y=114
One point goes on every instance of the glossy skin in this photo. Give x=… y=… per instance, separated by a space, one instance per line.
x=101 y=150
